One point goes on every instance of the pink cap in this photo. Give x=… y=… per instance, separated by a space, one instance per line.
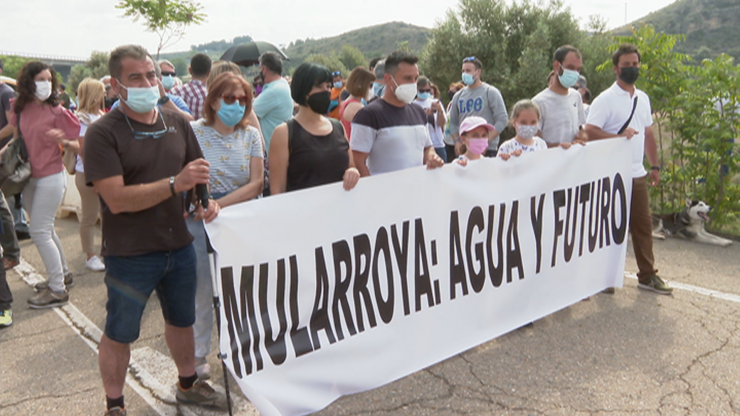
x=473 y=122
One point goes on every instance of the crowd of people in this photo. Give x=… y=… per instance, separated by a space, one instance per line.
x=142 y=142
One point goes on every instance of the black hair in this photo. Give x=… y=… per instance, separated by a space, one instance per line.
x=563 y=51
x=272 y=61
x=394 y=59
x=200 y=65
x=27 y=86
x=63 y=87
x=374 y=61
x=625 y=49
x=587 y=95
x=305 y=77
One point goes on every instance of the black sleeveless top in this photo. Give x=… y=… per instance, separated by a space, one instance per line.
x=315 y=160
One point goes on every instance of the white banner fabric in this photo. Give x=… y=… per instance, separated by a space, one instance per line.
x=326 y=292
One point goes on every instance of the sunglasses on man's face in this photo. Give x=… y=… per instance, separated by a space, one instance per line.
x=428 y=90
x=168 y=74
x=231 y=99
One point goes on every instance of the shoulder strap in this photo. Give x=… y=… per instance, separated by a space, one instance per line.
x=629 y=120
x=289 y=123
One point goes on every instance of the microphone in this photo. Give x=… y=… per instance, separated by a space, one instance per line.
x=201 y=190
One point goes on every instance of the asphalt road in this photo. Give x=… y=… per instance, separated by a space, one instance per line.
x=631 y=353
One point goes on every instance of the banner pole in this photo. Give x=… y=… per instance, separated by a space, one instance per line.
x=217 y=308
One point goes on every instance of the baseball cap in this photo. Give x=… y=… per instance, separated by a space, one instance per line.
x=473 y=122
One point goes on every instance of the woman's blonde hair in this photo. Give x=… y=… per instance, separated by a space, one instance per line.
x=522 y=105
x=220 y=67
x=91 y=94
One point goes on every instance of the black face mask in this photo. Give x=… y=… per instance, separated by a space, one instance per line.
x=629 y=74
x=319 y=102
x=451 y=94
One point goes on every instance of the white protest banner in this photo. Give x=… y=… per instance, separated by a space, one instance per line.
x=326 y=292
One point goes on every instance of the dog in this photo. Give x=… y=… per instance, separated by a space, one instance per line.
x=688 y=224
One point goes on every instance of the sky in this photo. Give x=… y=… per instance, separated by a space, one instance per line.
x=78 y=27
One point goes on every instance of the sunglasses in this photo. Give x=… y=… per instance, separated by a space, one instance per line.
x=168 y=74
x=141 y=135
x=336 y=73
x=230 y=99
x=469 y=59
x=429 y=90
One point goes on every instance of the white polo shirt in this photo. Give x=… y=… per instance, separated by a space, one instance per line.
x=611 y=109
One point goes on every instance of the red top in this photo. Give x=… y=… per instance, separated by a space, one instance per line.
x=347 y=125
x=44 y=153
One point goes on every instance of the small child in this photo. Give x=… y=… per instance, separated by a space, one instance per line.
x=474 y=133
x=525 y=117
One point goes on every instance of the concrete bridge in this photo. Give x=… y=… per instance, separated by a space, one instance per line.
x=62 y=64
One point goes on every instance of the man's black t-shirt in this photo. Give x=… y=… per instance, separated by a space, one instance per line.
x=111 y=150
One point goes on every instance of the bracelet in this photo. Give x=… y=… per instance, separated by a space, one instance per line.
x=172 y=186
x=655 y=168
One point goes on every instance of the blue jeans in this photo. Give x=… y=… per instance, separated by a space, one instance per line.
x=132 y=279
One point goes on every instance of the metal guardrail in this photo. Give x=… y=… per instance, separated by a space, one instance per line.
x=45 y=57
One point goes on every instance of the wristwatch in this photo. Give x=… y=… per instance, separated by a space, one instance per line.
x=655 y=168
x=163 y=100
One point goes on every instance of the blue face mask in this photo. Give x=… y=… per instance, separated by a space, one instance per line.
x=467 y=79
x=423 y=96
x=231 y=114
x=568 y=78
x=338 y=84
x=168 y=82
x=378 y=89
x=141 y=100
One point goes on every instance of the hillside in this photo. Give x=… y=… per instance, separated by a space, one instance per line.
x=373 y=41
x=711 y=26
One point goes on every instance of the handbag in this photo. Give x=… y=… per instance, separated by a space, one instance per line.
x=15 y=169
x=629 y=120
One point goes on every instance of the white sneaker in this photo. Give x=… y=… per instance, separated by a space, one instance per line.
x=95 y=264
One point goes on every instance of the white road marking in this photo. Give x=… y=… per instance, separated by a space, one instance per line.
x=696 y=289
x=152 y=375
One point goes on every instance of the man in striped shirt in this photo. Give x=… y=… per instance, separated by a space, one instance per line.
x=194 y=92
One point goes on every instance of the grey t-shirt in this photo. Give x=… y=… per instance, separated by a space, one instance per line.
x=485 y=101
x=561 y=116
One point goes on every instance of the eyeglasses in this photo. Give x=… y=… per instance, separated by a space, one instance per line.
x=141 y=135
x=469 y=59
x=168 y=74
x=230 y=99
x=336 y=73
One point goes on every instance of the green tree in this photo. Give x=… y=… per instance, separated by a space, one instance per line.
x=181 y=66
x=515 y=42
x=95 y=67
x=352 y=57
x=13 y=64
x=332 y=62
x=167 y=18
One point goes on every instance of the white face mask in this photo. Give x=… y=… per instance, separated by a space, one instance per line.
x=43 y=90
x=406 y=92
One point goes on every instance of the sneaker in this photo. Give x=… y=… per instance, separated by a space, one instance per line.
x=9 y=264
x=6 y=318
x=48 y=299
x=201 y=394
x=68 y=282
x=116 y=411
x=202 y=368
x=657 y=285
x=95 y=264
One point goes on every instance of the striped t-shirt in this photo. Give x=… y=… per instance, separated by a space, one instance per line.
x=394 y=137
x=229 y=156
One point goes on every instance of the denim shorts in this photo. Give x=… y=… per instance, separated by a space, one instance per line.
x=132 y=279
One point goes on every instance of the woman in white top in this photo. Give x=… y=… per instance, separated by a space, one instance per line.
x=233 y=147
x=91 y=95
